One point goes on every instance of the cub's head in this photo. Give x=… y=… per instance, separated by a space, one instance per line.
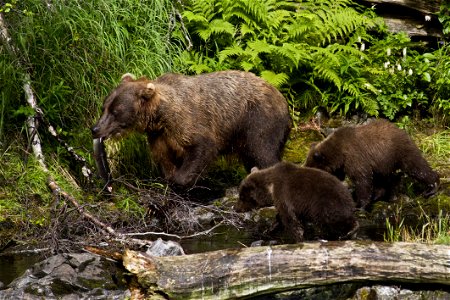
x=126 y=107
x=326 y=157
x=255 y=191
x=315 y=158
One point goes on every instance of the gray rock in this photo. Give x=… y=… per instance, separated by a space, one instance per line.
x=162 y=248
x=70 y=276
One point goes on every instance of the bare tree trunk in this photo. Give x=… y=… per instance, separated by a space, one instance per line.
x=231 y=274
x=32 y=123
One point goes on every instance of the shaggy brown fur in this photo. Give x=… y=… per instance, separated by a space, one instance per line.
x=370 y=155
x=190 y=120
x=301 y=196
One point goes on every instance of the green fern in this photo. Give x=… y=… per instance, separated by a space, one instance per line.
x=292 y=44
x=276 y=80
x=216 y=27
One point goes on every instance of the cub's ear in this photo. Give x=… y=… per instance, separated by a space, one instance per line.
x=127 y=77
x=254 y=169
x=148 y=91
x=313 y=146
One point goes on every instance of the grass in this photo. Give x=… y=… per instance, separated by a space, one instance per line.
x=429 y=230
x=433 y=220
x=75 y=52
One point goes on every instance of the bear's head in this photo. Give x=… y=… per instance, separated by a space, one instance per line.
x=325 y=157
x=126 y=108
x=255 y=191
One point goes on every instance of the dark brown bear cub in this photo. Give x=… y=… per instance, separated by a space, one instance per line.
x=370 y=155
x=301 y=196
x=190 y=120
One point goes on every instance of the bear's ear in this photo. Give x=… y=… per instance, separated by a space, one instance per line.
x=127 y=77
x=148 y=91
x=313 y=145
x=254 y=169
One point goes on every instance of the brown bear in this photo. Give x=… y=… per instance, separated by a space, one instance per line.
x=190 y=120
x=370 y=155
x=301 y=196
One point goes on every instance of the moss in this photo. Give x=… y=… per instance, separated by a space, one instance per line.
x=298 y=145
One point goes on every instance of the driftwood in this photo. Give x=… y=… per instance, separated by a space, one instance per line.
x=236 y=273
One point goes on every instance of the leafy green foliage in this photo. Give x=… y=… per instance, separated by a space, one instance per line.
x=294 y=45
x=328 y=53
x=75 y=52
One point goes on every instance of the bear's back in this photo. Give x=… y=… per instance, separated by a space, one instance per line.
x=311 y=186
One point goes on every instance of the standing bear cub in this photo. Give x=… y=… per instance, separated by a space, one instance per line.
x=190 y=120
x=370 y=155
x=301 y=196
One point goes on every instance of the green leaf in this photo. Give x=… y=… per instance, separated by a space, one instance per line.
x=274 y=79
x=247 y=66
x=426 y=76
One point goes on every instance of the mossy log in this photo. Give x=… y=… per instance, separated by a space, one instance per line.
x=236 y=273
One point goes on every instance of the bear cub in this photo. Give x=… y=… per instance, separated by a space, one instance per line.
x=301 y=196
x=370 y=155
x=191 y=120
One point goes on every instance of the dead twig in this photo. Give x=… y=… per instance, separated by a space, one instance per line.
x=205 y=232
x=102 y=226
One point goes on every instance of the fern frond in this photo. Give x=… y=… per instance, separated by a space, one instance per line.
x=375 y=71
x=274 y=79
x=257 y=9
x=250 y=11
x=235 y=50
x=324 y=72
x=345 y=49
x=247 y=66
x=369 y=105
x=204 y=8
x=351 y=88
x=246 y=29
x=277 y=17
x=295 y=53
x=192 y=17
x=260 y=46
x=216 y=26
x=324 y=55
x=340 y=24
x=304 y=22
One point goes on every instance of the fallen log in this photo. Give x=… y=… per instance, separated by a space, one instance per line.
x=424 y=6
x=236 y=273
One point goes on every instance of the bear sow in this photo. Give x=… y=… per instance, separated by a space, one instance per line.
x=190 y=120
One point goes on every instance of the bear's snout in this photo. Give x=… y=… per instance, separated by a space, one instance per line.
x=95 y=130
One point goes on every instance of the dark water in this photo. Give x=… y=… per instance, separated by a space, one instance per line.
x=226 y=237
x=12 y=266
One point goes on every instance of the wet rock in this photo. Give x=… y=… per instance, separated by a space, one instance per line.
x=378 y=292
x=165 y=248
x=70 y=276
